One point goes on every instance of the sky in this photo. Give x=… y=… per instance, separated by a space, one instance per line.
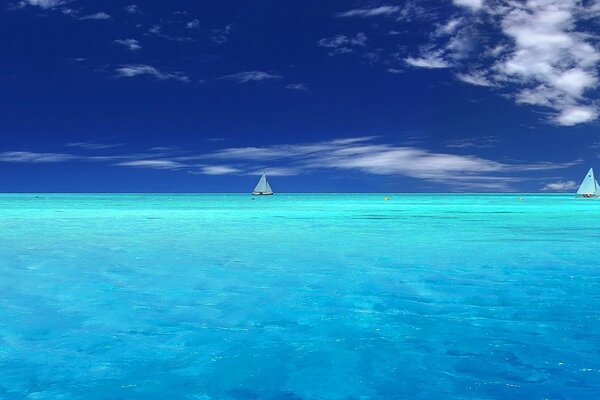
x=323 y=96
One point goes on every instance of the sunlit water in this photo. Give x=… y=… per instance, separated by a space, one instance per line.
x=299 y=297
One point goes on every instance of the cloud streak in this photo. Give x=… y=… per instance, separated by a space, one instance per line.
x=132 y=9
x=44 y=4
x=133 y=70
x=297 y=86
x=361 y=154
x=561 y=186
x=251 y=76
x=93 y=145
x=370 y=12
x=157 y=31
x=131 y=44
x=341 y=44
x=153 y=164
x=96 y=16
x=32 y=157
x=221 y=35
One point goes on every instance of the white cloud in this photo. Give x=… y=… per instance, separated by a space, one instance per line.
x=251 y=76
x=475 y=78
x=154 y=164
x=157 y=30
x=221 y=36
x=132 y=70
x=409 y=161
x=555 y=63
x=429 y=60
x=574 y=115
x=450 y=44
x=480 y=142
x=97 y=16
x=193 y=24
x=93 y=145
x=131 y=44
x=275 y=171
x=45 y=4
x=297 y=86
x=341 y=44
x=450 y=27
x=370 y=12
x=471 y=4
x=361 y=154
x=543 y=58
x=133 y=9
x=364 y=154
x=561 y=186
x=218 y=170
x=32 y=157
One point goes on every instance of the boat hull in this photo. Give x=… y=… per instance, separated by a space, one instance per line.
x=261 y=194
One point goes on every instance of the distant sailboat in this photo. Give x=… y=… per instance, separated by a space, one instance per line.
x=589 y=187
x=262 y=187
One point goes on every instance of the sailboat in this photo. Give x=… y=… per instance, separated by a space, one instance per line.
x=262 y=187
x=589 y=187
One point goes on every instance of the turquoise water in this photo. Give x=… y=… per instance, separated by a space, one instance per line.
x=299 y=297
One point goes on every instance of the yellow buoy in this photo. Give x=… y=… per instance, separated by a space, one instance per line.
x=386 y=198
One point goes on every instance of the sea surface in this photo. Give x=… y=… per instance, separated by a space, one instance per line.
x=319 y=296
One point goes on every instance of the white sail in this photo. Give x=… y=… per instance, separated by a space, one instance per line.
x=589 y=185
x=262 y=187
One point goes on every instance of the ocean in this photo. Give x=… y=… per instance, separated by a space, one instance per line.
x=299 y=296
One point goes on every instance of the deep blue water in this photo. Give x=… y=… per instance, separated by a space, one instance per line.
x=299 y=297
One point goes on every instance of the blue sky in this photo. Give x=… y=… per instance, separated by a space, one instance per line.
x=186 y=96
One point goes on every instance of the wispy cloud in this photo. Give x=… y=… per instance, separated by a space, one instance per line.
x=251 y=76
x=341 y=44
x=539 y=52
x=153 y=164
x=157 y=31
x=94 y=145
x=221 y=35
x=364 y=154
x=409 y=10
x=370 y=12
x=32 y=157
x=543 y=58
x=97 y=16
x=480 y=142
x=132 y=9
x=553 y=63
x=561 y=186
x=297 y=86
x=429 y=60
x=131 y=44
x=476 y=78
x=45 y=4
x=451 y=43
x=474 y=5
x=219 y=170
x=133 y=70
x=361 y=154
x=193 y=24
x=275 y=171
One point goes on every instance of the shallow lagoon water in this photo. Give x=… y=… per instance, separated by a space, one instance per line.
x=324 y=296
